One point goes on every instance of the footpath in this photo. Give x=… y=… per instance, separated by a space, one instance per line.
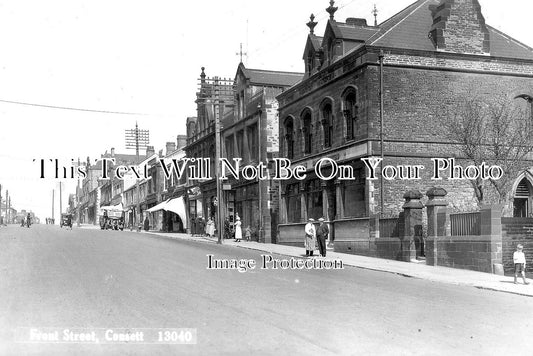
x=414 y=270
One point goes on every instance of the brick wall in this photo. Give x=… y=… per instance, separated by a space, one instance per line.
x=517 y=231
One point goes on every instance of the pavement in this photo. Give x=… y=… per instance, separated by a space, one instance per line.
x=439 y=274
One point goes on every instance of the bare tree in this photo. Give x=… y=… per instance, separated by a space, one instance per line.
x=497 y=132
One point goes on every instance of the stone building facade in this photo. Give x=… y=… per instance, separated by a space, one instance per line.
x=424 y=60
x=250 y=132
x=214 y=99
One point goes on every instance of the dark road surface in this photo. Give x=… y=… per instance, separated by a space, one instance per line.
x=51 y=277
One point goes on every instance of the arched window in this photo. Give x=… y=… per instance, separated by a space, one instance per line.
x=350 y=113
x=522 y=199
x=529 y=101
x=307 y=132
x=327 y=122
x=289 y=137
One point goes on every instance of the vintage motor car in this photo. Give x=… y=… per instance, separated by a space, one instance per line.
x=66 y=220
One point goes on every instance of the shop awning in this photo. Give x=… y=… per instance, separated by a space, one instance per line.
x=177 y=206
x=117 y=207
x=157 y=207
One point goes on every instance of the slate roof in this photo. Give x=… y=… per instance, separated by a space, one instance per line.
x=351 y=32
x=272 y=78
x=409 y=29
x=316 y=41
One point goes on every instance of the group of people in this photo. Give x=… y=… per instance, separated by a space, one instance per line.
x=50 y=221
x=315 y=237
x=238 y=230
x=26 y=222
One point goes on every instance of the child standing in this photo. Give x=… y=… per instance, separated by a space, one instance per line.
x=248 y=233
x=519 y=263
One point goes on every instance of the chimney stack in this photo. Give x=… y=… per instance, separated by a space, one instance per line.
x=182 y=141
x=171 y=147
x=150 y=150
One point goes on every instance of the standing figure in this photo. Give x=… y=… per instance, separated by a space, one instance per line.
x=146 y=224
x=28 y=220
x=248 y=233
x=322 y=234
x=310 y=237
x=519 y=260
x=22 y=222
x=210 y=228
x=238 y=231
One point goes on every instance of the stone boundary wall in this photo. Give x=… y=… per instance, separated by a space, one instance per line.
x=466 y=252
x=517 y=231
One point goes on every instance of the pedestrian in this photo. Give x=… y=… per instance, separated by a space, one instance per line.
x=247 y=233
x=310 y=237
x=210 y=228
x=238 y=231
x=201 y=226
x=322 y=233
x=519 y=260
x=146 y=224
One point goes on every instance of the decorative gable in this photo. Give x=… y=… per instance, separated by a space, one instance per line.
x=459 y=26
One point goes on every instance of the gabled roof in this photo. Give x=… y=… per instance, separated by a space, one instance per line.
x=312 y=41
x=351 y=32
x=263 y=77
x=409 y=29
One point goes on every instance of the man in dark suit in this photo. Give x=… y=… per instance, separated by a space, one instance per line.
x=322 y=234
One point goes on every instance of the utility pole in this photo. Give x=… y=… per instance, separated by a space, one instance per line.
x=53 y=193
x=7 y=212
x=77 y=195
x=217 y=170
x=218 y=92
x=381 y=56
x=60 y=201
x=137 y=138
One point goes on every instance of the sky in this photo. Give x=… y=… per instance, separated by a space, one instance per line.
x=123 y=62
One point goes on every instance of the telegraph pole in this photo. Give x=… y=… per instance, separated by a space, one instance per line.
x=60 y=202
x=220 y=95
x=220 y=225
x=77 y=195
x=137 y=138
x=53 y=193
x=381 y=56
x=7 y=211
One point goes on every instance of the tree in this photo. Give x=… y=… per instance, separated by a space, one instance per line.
x=499 y=133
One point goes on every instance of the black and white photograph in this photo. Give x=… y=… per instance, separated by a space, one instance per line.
x=349 y=177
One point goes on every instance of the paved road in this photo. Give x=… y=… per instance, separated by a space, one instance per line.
x=50 y=277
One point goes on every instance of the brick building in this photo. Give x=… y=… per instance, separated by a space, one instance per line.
x=250 y=132
x=433 y=53
x=214 y=99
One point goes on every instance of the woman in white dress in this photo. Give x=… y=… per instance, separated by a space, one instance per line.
x=238 y=231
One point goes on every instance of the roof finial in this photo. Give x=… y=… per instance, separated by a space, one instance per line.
x=331 y=9
x=202 y=76
x=311 y=24
x=241 y=53
x=375 y=13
